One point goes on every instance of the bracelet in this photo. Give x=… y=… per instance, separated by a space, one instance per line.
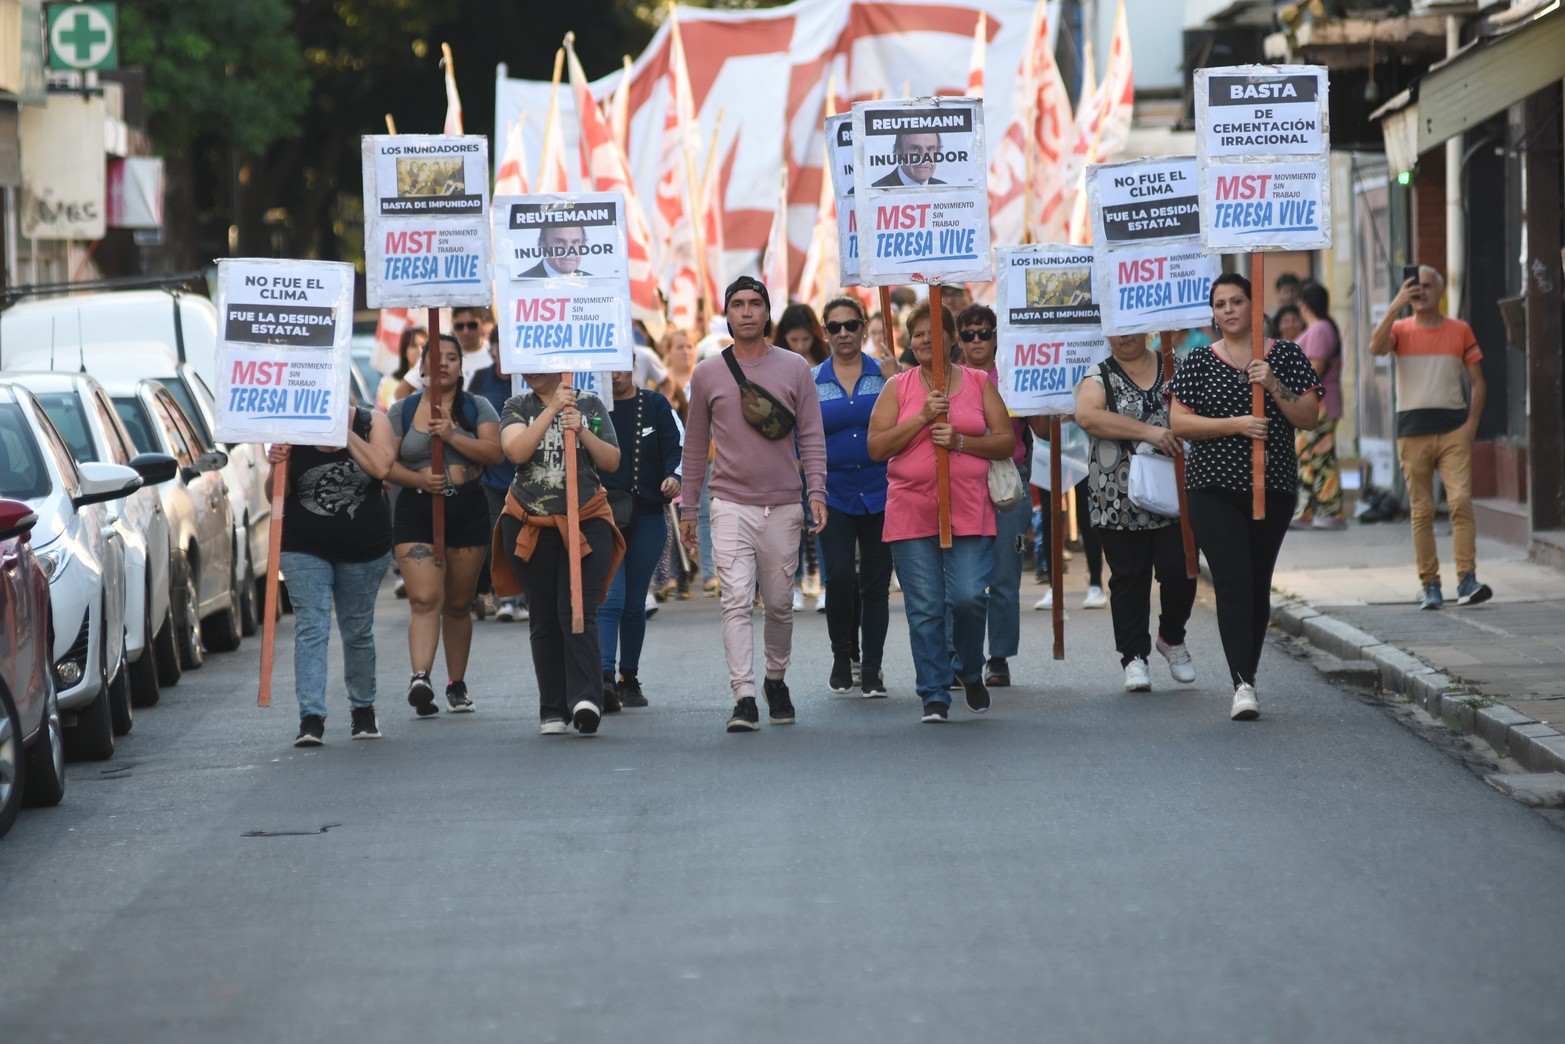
x=961 y=443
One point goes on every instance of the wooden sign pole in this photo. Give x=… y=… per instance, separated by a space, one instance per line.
x=437 y=447
x=273 y=576
x=573 y=523
x=1057 y=536
x=1257 y=396
x=1188 y=534
x=886 y=329
x=937 y=331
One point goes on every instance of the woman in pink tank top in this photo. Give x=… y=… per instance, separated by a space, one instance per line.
x=937 y=580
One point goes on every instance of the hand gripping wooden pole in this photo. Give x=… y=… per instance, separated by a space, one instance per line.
x=437 y=447
x=937 y=334
x=274 y=544
x=1257 y=396
x=573 y=522
x=1057 y=523
x=1188 y=534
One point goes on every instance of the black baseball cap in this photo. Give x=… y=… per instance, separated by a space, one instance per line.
x=747 y=283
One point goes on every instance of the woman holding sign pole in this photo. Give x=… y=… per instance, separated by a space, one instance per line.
x=1211 y=407
x=441 y=596
x=903 y=430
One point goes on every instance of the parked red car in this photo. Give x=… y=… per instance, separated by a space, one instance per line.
x=32 y=751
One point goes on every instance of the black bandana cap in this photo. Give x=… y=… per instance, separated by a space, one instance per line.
x=747 y=283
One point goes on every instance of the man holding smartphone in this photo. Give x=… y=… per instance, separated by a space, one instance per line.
x=1436 y=424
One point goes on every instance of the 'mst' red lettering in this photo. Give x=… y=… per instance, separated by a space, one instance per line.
x=1242 y=186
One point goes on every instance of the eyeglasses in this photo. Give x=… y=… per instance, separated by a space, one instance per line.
x=851 y=325
x=464 y=326
x=978 y=335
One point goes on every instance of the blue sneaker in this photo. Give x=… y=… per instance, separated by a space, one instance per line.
x=1470 y=592
x=1431 y=598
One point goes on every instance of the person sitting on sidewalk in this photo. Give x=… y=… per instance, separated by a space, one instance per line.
x=1435 y=427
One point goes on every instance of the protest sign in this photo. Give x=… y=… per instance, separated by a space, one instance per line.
x=283 y=353
x=562 y=283
x=426 y=220
x=1262 y=142
x=1143 y=201
x=1049 y=332
x=839 y=156
x=920 y=176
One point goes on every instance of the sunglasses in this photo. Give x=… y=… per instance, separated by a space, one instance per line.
x=978 y=335
x=851 y=325
x=464 y=326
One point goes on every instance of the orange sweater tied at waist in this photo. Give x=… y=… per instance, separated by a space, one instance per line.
x=506 y=584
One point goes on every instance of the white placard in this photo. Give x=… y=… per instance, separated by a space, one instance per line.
x=921 y=179
x=1262 y=143
x=1154 y=287
x=839 y=154
x=562 y=284
x=1144 y=201
x=283 y=351
x=1049 y=333
x=426 y=220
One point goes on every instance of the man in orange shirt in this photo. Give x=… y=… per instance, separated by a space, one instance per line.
x=1436 y=423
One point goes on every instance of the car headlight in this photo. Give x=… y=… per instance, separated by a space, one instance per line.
x=50 y=561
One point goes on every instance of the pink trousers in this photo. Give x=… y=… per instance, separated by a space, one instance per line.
x=754 y=546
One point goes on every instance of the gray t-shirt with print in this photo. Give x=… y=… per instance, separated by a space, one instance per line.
x=539 y=486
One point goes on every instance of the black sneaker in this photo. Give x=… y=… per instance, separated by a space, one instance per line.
x=1470 y=592
x=779 y=707
x=610 y=694
x=745 y=718
x=457 y=699
x=585 y=717
x=977 y=696
x=312 y=729
x=421 y=695
x=364 y=726
x=934 y=713
x=873 y=685
x=630 y=694
x=841 y=675
x=997 y=672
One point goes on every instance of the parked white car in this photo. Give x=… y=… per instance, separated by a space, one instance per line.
x=86 y=420
x=82 y=555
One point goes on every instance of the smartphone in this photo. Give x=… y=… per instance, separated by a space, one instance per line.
x=1409 y=272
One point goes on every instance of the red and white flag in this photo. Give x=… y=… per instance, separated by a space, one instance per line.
x=774 y=263
x=511 y=178
x=619 y=107
x=1026 y=191
x=551 y=165
x=388 y=339
x=453 y=123
x=605 y=166
x=975 y=66
x=1118 y=96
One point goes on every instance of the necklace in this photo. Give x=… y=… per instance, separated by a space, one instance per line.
x=1228 y=356
x=929 y=385
x=1147 y=365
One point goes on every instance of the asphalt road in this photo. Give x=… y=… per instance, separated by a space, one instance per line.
x=1081 y=864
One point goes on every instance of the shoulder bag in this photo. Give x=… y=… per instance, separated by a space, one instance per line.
x=762 y=410
x=1152 y=485
x=623 y=501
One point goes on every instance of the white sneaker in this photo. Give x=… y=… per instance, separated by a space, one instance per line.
x=521 y=613
x=1046 y=602
x=1179 y=663
x=798 y=599
x=1095 y=599
x=1246 y=706
x=553 y=727
x=652 y=606
x=820 y=603
x=1136 y=677
x=506 y=612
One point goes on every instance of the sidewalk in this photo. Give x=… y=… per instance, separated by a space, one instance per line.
x=1497 y=669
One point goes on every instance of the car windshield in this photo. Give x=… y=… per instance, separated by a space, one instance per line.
x=135 y=420
x=65 y=409
x=22 y=472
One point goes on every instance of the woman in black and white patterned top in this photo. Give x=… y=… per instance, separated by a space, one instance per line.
x=1211 y=407
x=1120 y=403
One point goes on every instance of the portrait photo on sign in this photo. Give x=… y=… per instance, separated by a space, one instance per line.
x=913 y=148
x=1059 y=287
x=574 y=238
x=420 y=176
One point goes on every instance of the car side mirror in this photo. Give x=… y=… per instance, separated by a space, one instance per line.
x=102 y=482
x=16 y=519
x=211 y=460
x=154 y=468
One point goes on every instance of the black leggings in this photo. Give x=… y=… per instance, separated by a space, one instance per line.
x=1240 y=553
x=857 y=596
x=1134 y=557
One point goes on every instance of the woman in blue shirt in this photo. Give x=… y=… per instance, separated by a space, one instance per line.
x=857 y=596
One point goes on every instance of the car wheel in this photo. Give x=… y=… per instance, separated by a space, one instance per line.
x=121 y=712
x=144 y=686
x=222 y=630
x=192 y=653
x=165 y=644
x=13 y=770
x=249 y=605
x=45 y=759
x=92 y=737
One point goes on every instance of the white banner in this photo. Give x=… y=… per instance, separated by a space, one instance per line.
x=1263 y=139
x=839 y=151
x=1155 y=287
x=921 y=177
x=562 y=283
x=1049 y=332
x=426 y=220
x=283 y=352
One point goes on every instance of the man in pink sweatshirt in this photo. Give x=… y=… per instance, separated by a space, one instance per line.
x=757 y=493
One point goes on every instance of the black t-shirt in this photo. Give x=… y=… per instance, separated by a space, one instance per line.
x=335 y=509
x=1208 y=385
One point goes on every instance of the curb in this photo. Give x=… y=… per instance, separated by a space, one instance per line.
x=1537 y=747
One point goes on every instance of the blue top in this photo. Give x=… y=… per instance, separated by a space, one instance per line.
x=487 y=384
x=855 y=484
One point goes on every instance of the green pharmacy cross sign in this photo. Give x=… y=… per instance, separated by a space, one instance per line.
x=83 y=37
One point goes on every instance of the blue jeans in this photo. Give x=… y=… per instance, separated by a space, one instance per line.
x=313 y=585
x=936 y=582
x=704 y=528
x=1005 y=586
x=622 y=618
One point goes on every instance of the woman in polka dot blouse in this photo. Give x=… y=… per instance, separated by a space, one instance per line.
x=1211 y=408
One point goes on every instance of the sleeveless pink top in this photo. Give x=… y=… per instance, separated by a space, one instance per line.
x=912 y=510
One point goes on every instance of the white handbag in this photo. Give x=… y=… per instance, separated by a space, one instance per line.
x=1005 y=485
x=1153 y=487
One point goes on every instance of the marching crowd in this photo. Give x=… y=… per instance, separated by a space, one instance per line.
x=734 y=462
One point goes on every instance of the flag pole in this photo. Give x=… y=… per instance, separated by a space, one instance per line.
x=391 y=124
x=437 y=447
x=1186 y=533
x=554 y=102
x=573 y=519
x=1257 y=397
x=701 y=258
x=1057 y=535
x=937 y=335
x=273 y=577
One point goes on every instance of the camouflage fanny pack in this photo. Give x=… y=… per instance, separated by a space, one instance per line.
x=762 y=410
